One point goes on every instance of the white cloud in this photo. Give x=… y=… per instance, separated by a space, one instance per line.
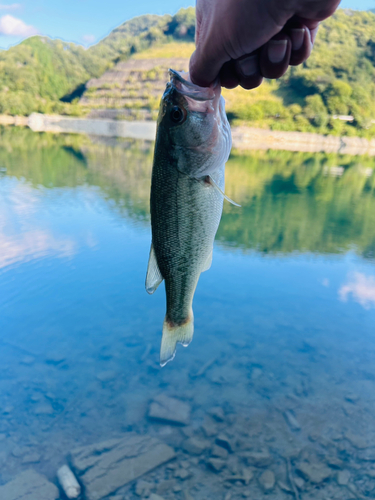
x=362 y=288
x=89 y=38
x=11 y=26
x=12 y=6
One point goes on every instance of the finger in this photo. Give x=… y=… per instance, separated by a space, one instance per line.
x=313 y=33
x=248 y=71
x=205 y=65
x=299 y=22
x=301 y=45
x=228 y=75
x=275 y=56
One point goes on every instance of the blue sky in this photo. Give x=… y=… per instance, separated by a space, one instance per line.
x=87 y=21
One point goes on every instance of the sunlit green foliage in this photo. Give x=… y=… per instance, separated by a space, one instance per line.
x=182 y=24
x=37 y=73
x=336 y=81
x=341 y=70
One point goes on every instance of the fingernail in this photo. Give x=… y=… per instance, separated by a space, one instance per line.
x=277 y=50
x=249 y=65
x=297 y=36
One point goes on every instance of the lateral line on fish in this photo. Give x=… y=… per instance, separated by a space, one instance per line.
x=222 y=192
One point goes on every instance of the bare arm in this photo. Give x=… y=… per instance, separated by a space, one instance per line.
x=243 y=41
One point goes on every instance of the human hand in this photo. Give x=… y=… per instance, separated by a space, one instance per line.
x=242 y=41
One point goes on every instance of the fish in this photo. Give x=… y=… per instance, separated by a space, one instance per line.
x=192 y=145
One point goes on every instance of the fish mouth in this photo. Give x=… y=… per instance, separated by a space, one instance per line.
x=188 y=89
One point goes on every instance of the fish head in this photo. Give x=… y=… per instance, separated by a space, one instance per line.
x=194 y=123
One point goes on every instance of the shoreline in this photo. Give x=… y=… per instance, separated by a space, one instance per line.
x=244 y=137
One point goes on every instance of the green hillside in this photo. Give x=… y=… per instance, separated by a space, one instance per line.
x=338 y=80
x=37 y=73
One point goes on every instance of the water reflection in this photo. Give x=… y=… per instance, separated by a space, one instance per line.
x=21 y=238
x=290 y=205
x=274 y=398
x=361 y=288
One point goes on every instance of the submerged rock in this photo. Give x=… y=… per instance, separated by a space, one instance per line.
x=283 y=486
x=267 y=480
x=106 y=376
x=335 y=462
x=343 y=477
x=165 y=486
x=55 y=358
x=357 y=441
x=44 y=409
x=31 y=458
x=292 y=421
x=217 y=413
x=182 y=474
x=105 y=467
x=219 y=452
x=225 y=442
x=257 y=458
x=314 y=472
x=245 y=478
x=169 y=410
x=143 y=488
x=210 y=429
x=68 y=482
x=29 y=485
x=299 y=482
x=216 y=464
x=195 y=446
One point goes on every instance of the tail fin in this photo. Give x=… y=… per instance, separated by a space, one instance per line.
x=182 y=334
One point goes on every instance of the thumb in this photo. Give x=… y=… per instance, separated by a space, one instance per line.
x=205 y=65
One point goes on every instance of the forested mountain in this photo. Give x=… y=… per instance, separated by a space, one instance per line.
x=338 y=79
x=38 y=72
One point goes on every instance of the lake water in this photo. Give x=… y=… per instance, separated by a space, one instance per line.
x=280 y=376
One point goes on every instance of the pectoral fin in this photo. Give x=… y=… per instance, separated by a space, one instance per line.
x=154 y=276
x=208 y=263
x=213 y=183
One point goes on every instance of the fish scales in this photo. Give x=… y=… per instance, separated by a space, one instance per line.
x=185 y=215
x=192 y=145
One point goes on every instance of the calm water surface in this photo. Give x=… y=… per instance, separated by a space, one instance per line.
x=283 y=357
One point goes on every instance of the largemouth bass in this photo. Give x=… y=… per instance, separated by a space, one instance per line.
x=193 y=142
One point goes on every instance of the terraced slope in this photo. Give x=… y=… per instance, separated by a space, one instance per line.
x=132 y=89
x=332 y=93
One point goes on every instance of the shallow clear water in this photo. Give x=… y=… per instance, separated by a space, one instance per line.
x=284 y=322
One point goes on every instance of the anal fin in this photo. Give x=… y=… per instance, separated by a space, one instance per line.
x=154 y=276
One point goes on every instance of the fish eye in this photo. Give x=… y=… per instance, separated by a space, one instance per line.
x=177 y=115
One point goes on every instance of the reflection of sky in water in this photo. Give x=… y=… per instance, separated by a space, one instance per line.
x=361 y=288
x=275 y=332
